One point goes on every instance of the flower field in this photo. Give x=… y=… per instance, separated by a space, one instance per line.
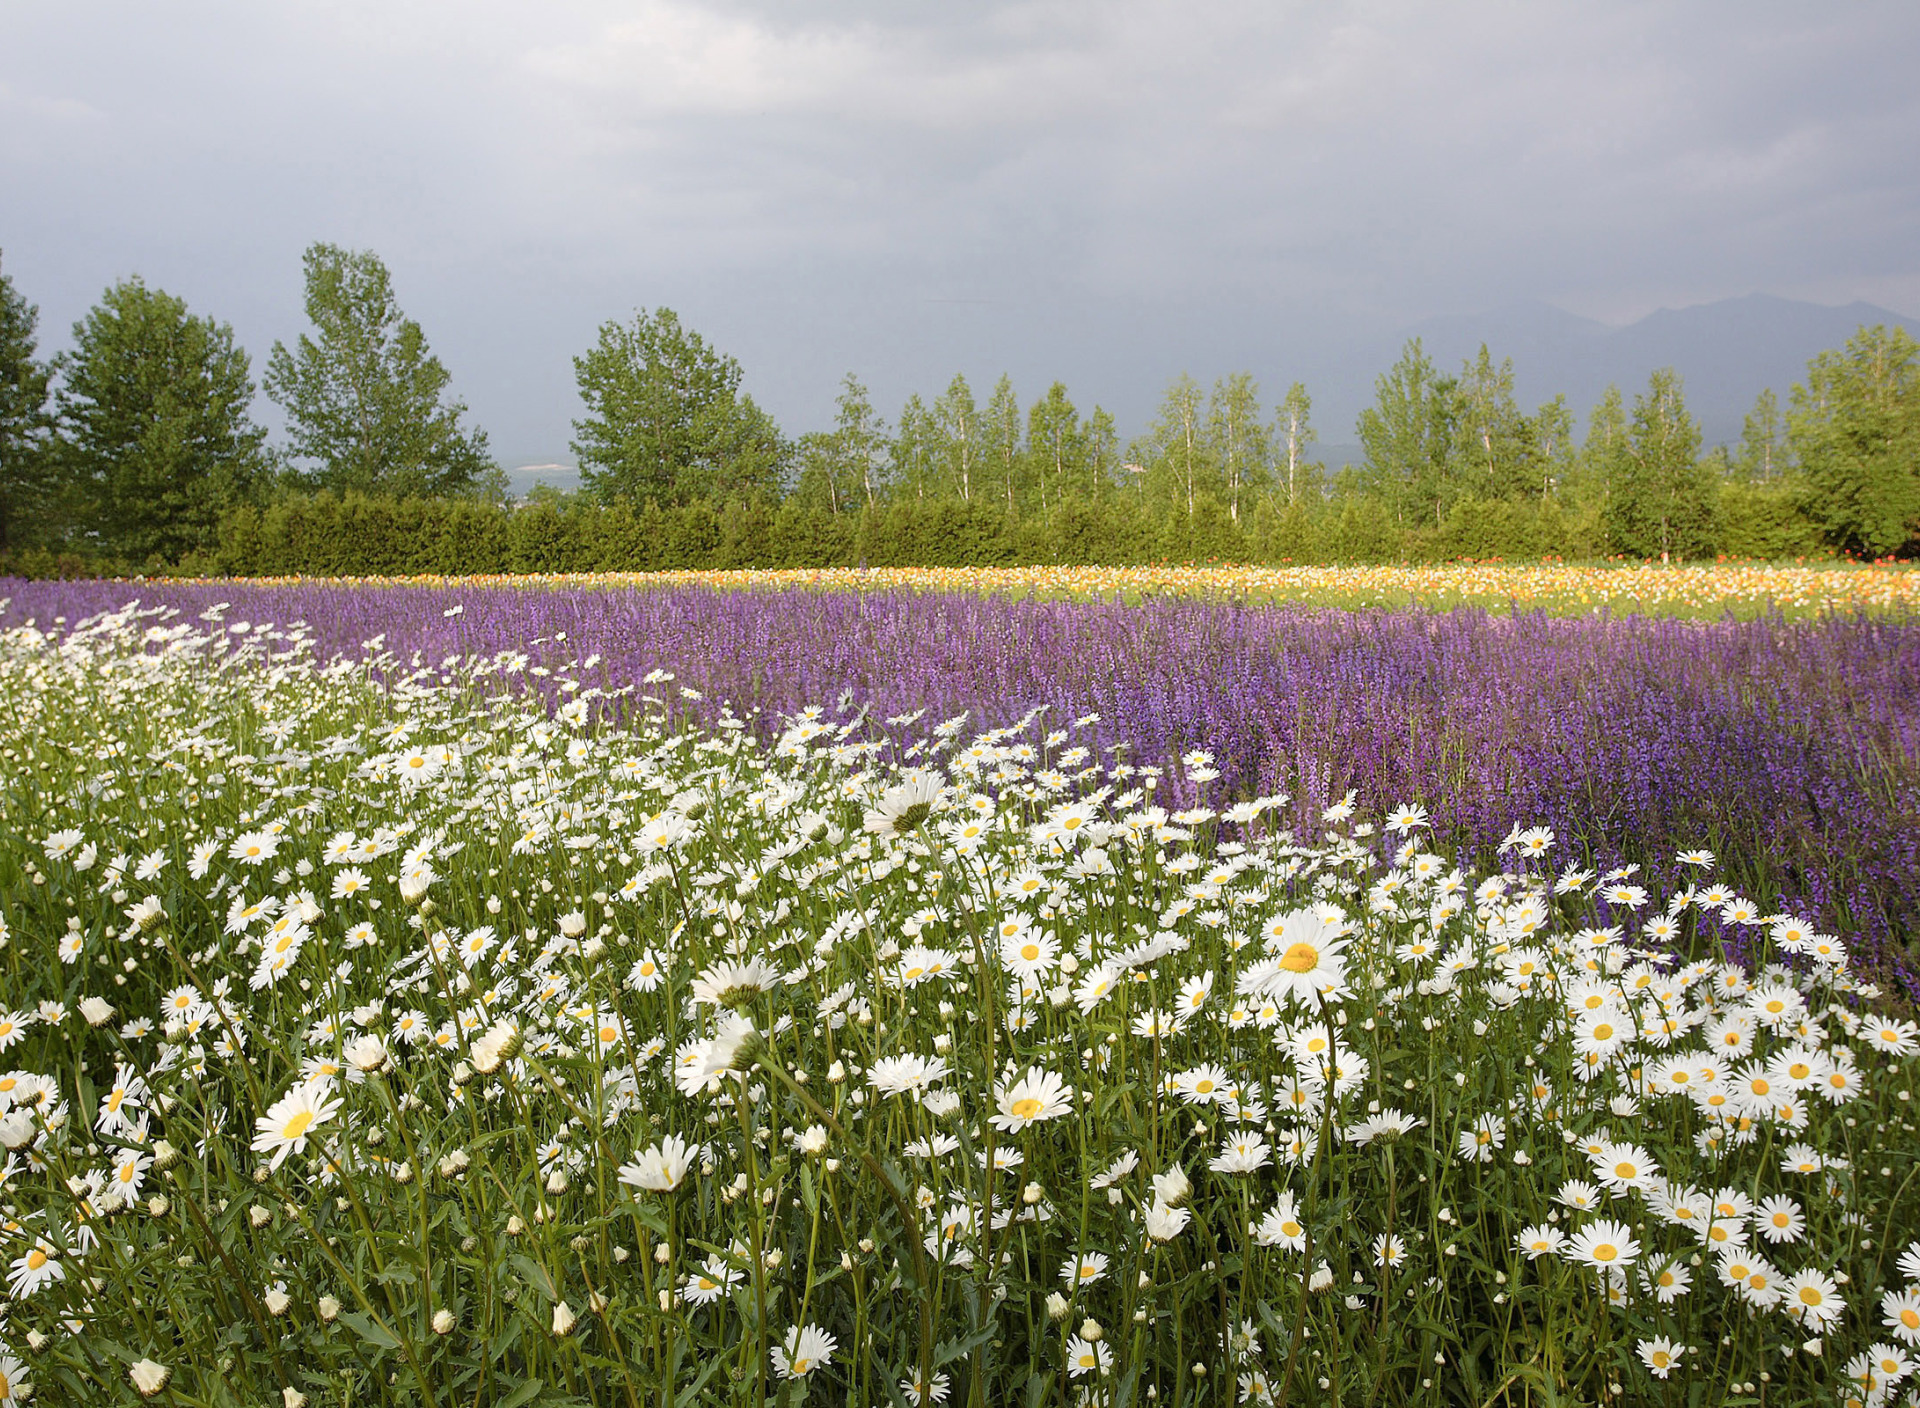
x=1742 y=589
x=440 y=995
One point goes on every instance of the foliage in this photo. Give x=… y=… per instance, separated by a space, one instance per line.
x=1855 y=430
x=468 y=1046
x=155 y=438
x=1660 y=498
x=366 y=401
x=26 y=487
x=666 y=421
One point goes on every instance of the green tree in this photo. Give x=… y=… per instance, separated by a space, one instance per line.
x=1494 y=452
x=917 y=468
x=1662 y=500
x=1238 y=440
x=1855 y=430
x=365 y=399
x=957 y=422
x=1603 y=453
x=666 y=420
x=1408 y=438
x=1293 y=434
x=1056 y=448
x=1554 y=447
x=154 y=425
x=1000 y=438
x=26 y=486
x=1763 y=443
x=1179 y=461
x=859 y=442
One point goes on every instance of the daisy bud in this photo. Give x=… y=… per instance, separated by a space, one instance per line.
x=367 y=1053
x=596 y=1302
x=148 y=1377
x=1056 y=1306
x=502 y=1039
x=16 y=1128
x=836 y=1073
x=277 y=1301
x=443 y=1321
x=1032 y=1194
x=666 y=1300
x=96 y=1010
x=403 y=1172
x=846 y=1260
x=36 y=1341
x=158 y=1205
x=563 y=1319
x=1091 y=1331
x=557 y=1181
x=328 y=1309
x=1813 y=1348
x=515 y=1226
x=833 y=1165
x=573 y=925
x=813 y=1140
x=259 y=1216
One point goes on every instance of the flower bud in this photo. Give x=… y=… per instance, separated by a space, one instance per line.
x=563 y=1318
x=328 y=1309
x=443 y=1321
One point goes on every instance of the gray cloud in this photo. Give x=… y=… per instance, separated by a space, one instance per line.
x=1107 y=193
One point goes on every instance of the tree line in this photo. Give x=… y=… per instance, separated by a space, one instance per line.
x=137 y=449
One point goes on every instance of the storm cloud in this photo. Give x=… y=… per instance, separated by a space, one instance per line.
x=1105 y=193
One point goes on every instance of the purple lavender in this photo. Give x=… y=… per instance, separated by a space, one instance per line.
x=1791 y=749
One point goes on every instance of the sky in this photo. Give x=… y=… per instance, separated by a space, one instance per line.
x=1102 y=192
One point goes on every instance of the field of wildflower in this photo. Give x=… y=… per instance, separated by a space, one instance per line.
x=1743 y=590
x=405 y=1001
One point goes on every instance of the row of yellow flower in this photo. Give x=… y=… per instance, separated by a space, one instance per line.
x=1693 y=587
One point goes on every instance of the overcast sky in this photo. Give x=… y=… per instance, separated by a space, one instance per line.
x=1106 y=192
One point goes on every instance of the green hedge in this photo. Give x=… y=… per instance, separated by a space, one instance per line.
x=324 y=535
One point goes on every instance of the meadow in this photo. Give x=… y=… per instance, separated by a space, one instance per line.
x=464 y=994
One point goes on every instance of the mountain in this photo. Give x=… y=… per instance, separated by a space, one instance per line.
x=1727 y=352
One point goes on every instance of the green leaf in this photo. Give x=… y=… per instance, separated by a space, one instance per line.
x=535 y=1275
x=524 y=1394
x=369 y=1330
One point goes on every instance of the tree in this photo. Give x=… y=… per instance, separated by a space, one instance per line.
x=26 y=490
x=1855 y=430
x=1237 y=438
x=1293 y=431
x=1000 y=437
x=1179 y=466
x=1604 y=453
x=1056 y=447
x=859 y=440
x=1662 y=499
x=1493 y=450
x=1408 y=437
x=154 y=425
x=958 y=422
x=1553 y=446
x=917 y=468
x=365 y=400
x=1763 y=449
x=666 y=420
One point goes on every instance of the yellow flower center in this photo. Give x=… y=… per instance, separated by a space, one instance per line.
x=800 y=1366
x=1030 y=952
x=1290 y=1229
x=297 y=1126
x=1301 y=958
x=1810 y=1295
x=1606 y=1251
x=1026 y=1109
x=36 y=1259
x=1603 y=1032
x=1626 y=1169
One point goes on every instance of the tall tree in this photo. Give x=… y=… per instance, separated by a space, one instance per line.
x=958 y=422
x=1855 y=430
x=1663 y=499
x=1408 y=437
x=666 y=419
x=1238 y=439
x=1604 y=452
x=1056 y=447
x=26 y=487
x=1763 y=443
x=859 y=440
x=1293 y=432
x=1000 y=438
x=1103 y=454
x=917 y=471
x=154 y=424
x=1553 y=446
x=1179 y=460
x=366 y=401
x=1493 y=441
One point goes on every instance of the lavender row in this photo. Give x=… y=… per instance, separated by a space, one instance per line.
x=1789 y=748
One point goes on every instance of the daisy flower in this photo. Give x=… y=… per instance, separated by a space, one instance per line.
x=1083 y=1269
x=1661 y=1356
x=1813 y=1299
x=1603 y=1245
x=1038 y=1095
x=284 y=1129
x=805 y=1349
